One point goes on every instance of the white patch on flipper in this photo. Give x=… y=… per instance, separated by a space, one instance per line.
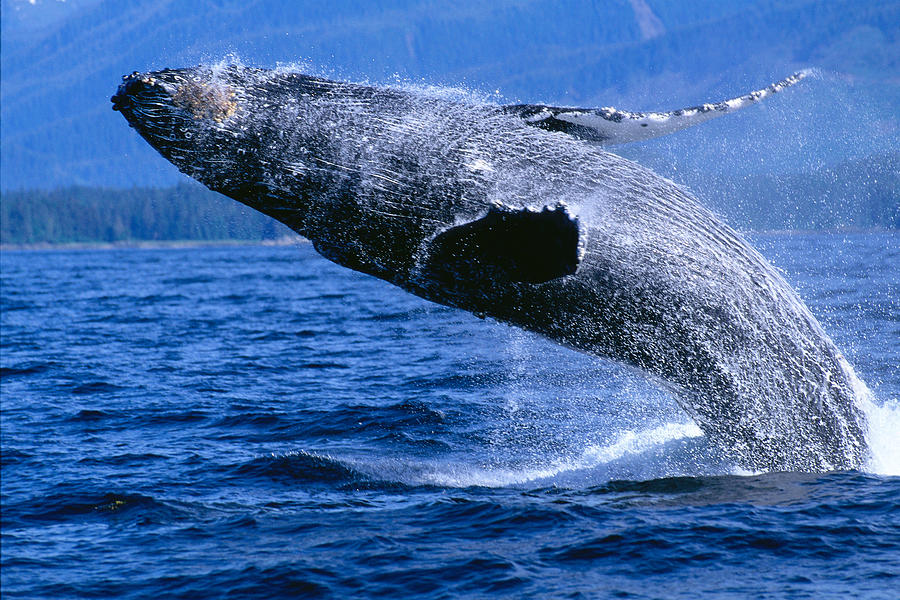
x=539 y=117
x=479 y=164
x=613 y=126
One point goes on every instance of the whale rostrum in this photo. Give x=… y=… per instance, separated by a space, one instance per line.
x=515 y=213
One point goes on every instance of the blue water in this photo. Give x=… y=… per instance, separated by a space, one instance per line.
x=257 y=422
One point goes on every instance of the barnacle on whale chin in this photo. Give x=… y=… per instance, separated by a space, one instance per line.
x=206 y=101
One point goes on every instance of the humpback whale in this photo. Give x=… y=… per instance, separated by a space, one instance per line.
x=519 y=214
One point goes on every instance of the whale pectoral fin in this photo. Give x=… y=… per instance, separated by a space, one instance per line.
x=519 y=245
x=609 y=126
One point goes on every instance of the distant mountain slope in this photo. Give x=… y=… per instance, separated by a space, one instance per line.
x=58 y=72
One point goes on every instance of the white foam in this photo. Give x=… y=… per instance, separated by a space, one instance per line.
x=883 y=437
x=883 y=427
x=627 y=443
x=631 y=442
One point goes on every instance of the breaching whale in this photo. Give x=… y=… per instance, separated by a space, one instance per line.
x=515 y=213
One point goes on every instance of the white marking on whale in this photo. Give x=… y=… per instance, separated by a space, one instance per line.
x=609 y=126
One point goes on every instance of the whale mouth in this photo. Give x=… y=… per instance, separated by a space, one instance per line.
x=130 y=84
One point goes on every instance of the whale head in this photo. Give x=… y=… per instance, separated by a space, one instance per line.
x=182 y=113
x=218 y=125
x=301 y=149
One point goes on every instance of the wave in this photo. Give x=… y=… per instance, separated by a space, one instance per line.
x=71 y=502
x=670 y=450
x=675 y=451
x=678 y=448
x=299 y=467
x=32 y=368
x=95 y=387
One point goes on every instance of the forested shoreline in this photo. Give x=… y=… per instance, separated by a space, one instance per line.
x=860 y=195
x=84 y=215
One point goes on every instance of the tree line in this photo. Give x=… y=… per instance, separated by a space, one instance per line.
x=860 y=194
x=185 y=212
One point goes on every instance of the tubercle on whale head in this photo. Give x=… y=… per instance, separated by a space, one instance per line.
x=206 y=101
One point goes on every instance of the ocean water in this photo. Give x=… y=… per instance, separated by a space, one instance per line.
x=257 y=422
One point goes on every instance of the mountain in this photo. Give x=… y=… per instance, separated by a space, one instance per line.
x=62 y=60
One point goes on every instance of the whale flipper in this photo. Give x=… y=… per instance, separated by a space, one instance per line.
x=610 y=126
x=518 y=245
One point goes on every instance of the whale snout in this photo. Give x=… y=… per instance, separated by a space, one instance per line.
x=149 y=102
x=142 y=96
x=191 y=92
x=182 y=113
x=131 y=85
x=136 y=84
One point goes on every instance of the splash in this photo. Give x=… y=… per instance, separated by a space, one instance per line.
x=671 y=449
x=884 y=429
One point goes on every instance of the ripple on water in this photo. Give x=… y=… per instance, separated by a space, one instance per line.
x=252 y=422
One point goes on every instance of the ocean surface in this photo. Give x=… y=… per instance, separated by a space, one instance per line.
x=258 y=422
